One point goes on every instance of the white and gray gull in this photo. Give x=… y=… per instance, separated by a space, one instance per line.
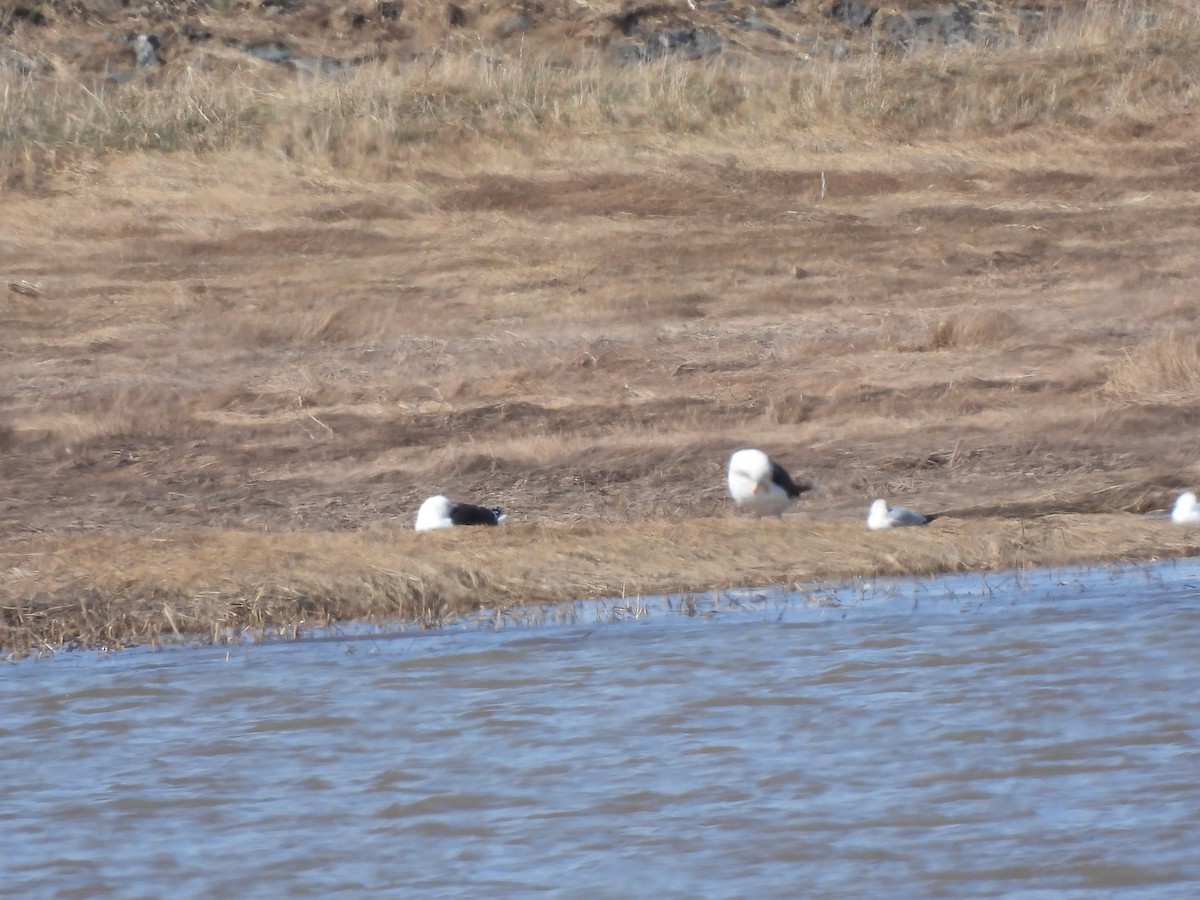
x=883 y=516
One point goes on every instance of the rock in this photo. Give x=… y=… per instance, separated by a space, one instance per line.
x=947 y=26
x=686 y=43
x=145 y=51
x=514 y=25
x=35 y=15
x=24 y=288
x=758 y=23
x=281 y=54
x=944 y=25
x=273 y=51
x=18 y=61
x=853 y=13
x=640 y=29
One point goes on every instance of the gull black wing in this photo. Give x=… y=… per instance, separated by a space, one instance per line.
x=780 y=477
x=470 y=514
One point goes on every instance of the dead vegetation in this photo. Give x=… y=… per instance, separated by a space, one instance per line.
x=244 y=350
x=1161 y=370
x=1088 y=65
x=68 y=593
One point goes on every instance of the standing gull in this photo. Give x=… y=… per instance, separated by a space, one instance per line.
x=761 y=485
x=1185 y=511
x=442 y=512
x=881 y=516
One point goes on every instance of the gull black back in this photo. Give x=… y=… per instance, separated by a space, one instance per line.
x=784 y=480
x=470 y=514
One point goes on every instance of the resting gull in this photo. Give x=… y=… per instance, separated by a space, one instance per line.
x=1185 y=511
x=442 y=512
x=881 y=516
x=761 y=485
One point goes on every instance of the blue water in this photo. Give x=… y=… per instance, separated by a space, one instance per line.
x=972 y=736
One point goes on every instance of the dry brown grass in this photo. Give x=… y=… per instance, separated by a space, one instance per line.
x=1164 y=370
x=76 y=593
x=968 y=281
x=1103 y=60
x=973 y=328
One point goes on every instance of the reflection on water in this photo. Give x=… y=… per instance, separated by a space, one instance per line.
x=955 y=737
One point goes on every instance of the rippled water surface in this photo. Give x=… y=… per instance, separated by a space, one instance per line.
x=970 y=736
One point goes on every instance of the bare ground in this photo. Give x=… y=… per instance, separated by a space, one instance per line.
x=228 y=381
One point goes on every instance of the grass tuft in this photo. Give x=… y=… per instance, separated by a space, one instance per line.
x=1162 y=370
x=973 y=328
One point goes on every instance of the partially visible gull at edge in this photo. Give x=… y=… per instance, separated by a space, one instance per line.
x=1186 y=511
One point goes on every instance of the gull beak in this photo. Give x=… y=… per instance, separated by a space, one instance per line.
x=758 y=487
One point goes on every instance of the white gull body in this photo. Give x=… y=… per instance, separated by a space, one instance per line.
x=760 y=485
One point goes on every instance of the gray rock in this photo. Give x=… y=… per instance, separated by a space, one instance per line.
x=34 y=15
x=514 y=25
x=283 y=55
x=683 y=43
x=1035 y=17
x=948 y=26
x=19 y=62
x=838 y=50
x=320 y=65
x=758 y=23
x=145 y=51
x=853 y=13
x=274 y=52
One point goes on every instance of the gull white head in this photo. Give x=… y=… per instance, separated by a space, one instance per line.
x=877 y=517
x=434 y=513
x=1185 y=511
x=760 y=485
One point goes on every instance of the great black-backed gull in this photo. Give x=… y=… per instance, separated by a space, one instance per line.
x=881 y=516
x=761 y=485
x=1185 y=511
x=442 y=512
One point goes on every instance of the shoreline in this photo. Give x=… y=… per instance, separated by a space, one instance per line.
x=78 y=593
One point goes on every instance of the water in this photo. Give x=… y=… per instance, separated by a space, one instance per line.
x=962 y=737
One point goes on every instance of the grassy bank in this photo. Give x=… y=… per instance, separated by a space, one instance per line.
x=113 y=592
